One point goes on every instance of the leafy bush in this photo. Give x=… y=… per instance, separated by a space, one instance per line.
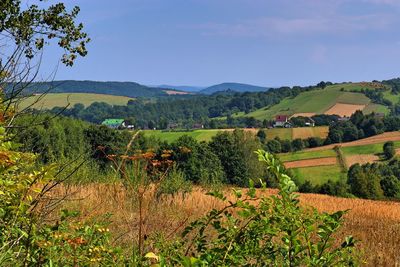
x=24 y=237
x=389 y=150
x=173 y=184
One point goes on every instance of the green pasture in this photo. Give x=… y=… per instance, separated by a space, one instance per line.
x=393 y=98
x=199 y=135
x=293 y=156
x=366 y=149
x=319 y=174
x=372 y=107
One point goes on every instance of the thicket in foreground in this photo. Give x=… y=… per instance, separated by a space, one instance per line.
x=262 y=231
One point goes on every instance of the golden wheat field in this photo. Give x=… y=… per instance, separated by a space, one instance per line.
x=376 y=224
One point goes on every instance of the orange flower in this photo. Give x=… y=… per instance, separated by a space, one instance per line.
x=135 y=157
x=185 y=149
x=149 y=155
x=76 y=241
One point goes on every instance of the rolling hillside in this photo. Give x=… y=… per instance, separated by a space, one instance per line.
x=129 y=89
x=63 y=99
x=236 y=87
x=330 y=100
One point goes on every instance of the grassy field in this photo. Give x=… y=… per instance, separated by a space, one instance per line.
x=372 y=107
x=366 y=149
x=319 y=174
x=199 y=135
x=62 y=99
x=282 y=133
x=393 y=98
x=307 y=155
x=207 y=134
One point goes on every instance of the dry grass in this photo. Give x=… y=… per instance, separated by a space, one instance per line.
x=361 y=159
x=375 y=223
x=344 y=110
x=306 y=132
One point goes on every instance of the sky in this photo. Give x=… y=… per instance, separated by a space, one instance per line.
x=261 y=42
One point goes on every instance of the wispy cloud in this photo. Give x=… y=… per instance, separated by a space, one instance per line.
x=273 y=26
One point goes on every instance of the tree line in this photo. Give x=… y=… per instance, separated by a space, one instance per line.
x=158 y=113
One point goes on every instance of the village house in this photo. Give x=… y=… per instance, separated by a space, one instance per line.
x=172 y=126
x=282 y=121
x=114 y=123
x=310 y=122
x=198 y=126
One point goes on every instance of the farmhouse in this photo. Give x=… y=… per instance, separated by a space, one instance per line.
x=310 y=122
x=114 y=123
x=198 y=126
x=282 y=121
x=172 y=126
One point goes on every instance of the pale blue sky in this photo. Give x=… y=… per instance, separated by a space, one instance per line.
x=270 y=43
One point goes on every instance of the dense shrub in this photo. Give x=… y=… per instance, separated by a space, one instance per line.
x=236 y=153
x=389 y=150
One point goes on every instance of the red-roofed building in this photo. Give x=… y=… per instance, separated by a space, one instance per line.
x=282 y=121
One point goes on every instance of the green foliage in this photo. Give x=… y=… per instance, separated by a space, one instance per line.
x=262 y=231
x=24 y=238
x=74 y=243
x=197 y=161
x=261 y=134
x=274 y=146
x=31 y=27
x=389 y=150
x=391 y=186
x=364 y=181
x=297 y=144
x=174 y=183
x=52 y=138
x=235 y=151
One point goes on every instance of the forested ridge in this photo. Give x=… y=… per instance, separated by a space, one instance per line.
x=213 y=111
x=130 y=89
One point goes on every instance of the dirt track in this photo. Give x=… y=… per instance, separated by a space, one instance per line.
x=390 y=136
x=310 y=162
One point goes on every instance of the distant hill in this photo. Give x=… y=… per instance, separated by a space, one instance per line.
x=129 y=89
x=237 y=87
x=186 y=88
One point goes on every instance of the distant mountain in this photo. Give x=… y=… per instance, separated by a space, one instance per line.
x=186 y=88
x=236 y=87
x=130 y=89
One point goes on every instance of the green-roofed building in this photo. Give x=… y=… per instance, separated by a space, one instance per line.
x=114 y=123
